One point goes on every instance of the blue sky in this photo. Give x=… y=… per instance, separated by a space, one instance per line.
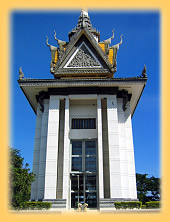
x=141 y=45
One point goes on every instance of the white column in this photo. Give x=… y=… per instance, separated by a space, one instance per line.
x=100 y=148
x=123 y=150
x=130 y=154
x=43 y=145
x=66 y=160
x=113 y=143
x=34 y=186
x=52 y=149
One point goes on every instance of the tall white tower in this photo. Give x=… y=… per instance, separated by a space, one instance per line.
x=83 y=150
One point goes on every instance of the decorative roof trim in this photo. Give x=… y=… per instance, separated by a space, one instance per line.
x=80 y=82
x=82 y=71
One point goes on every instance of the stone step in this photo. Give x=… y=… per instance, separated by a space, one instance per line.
x=58 y=203
x=107 y=203
x=58 y=206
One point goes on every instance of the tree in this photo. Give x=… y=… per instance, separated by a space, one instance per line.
x=148 y=189
x=154 y=188
x=20 y=179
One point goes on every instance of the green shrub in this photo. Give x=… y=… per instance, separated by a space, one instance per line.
x=36 y=205
x=153 y=204
x=143 y=207
x=128 y=205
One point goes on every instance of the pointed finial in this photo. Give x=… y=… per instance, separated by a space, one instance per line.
x=21 y=74
x=144 y=72
x=84 y=12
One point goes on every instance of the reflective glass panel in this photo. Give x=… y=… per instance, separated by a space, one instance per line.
x=74 y=183
x=91 y=182
x=91 y=199
x=90 y=148
x=75 y=198
x=76 y=163
x=76 y=147
x=90 y=164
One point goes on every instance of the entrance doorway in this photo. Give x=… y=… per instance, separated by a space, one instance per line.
x=84 y=174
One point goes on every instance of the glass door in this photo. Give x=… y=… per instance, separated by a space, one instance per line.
x=84 y=174
x=77 y=190
x=91 y=191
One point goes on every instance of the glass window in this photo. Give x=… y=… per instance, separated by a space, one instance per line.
x=77 y=164
x=77 y=148
x=74 y=183
x=90 y=163
x=84 y=156
x=90 y=148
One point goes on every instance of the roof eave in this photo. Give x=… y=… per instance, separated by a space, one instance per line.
x=38 y=84
x=138 y=100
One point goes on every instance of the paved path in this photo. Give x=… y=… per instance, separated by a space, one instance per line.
x=58 y=211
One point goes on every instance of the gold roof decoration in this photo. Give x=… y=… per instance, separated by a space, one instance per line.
x=84 y=55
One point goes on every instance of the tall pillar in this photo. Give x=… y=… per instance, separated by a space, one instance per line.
x=52 y=149
x=130 y=154
x=66 y=160
x=34 y=186
x=123 y=150
x=43 y=145
x=113 y=143
x=100 y=148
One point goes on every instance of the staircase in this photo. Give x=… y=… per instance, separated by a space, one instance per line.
x=58 y=203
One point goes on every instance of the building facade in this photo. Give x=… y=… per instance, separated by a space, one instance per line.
x=83 y=150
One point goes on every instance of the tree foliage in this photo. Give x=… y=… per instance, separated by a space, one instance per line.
x=20 y=179
x=148 y=189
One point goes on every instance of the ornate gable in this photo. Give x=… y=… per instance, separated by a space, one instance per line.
x=83 y=56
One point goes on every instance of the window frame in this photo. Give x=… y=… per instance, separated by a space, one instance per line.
x=84 y=156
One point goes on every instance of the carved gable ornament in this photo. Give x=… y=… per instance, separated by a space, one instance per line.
x=83 y=57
